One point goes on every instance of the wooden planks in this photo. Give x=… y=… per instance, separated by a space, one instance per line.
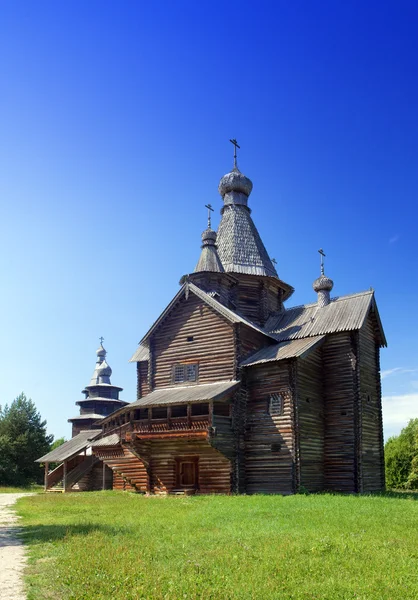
x=267 y=469
x=371 y=472
x=340 y=464
x=211 y=344
x=310 y=421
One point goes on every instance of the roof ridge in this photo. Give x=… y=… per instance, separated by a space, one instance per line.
x=333 y=299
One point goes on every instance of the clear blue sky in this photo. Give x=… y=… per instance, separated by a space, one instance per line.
x=115 y=119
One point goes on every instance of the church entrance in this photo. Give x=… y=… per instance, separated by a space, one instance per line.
x=187 y=472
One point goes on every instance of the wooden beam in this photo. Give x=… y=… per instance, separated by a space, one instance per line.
x=46 y=477
x=64 y=480
x=104 y=477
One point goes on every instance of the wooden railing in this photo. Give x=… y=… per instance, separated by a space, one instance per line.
x=191 y=423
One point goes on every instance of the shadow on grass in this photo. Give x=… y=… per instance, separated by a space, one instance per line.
x=40 y=534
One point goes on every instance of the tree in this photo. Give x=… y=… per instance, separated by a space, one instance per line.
x=401 y=458
x=23 y=439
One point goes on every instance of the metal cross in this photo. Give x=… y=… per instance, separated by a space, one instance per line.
x=101 y=340
x=322 y=253
x=234 y=141
x=210 y=209
x=274 y=261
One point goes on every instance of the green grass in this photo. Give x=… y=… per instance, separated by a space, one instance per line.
x=113 y=545
x=19 y=490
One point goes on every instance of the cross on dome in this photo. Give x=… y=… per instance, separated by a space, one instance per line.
x=234 y=141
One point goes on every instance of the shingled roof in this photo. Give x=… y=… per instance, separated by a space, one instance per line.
x=240 y=247
x=345 y=313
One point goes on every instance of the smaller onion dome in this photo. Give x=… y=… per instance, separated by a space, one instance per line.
x=209 y=237
x=209 y=259
x=104 y=370
x=101 y=352
x=323 y=283
x=235 y=181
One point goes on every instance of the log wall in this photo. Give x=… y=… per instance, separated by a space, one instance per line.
x=371 y=470
x=142 y=388
x=310 y=421
x=212 y=346
x=266 y=469
x=214 y=468
x=93 y=480
x=341 y=418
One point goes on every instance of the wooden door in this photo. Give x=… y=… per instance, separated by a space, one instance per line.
x=187 y=472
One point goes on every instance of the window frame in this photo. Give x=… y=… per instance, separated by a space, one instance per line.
x=184 y=367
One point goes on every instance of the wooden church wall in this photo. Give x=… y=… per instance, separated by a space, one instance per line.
x=310 y=421
x=214 y=468
x=269 y=440
x=142 y=388
x=370 y=428
x=193 y=333
x=249 y=341
x=340 y=465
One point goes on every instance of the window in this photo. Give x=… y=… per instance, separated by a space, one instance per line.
x=184 y=373
x=275 y=404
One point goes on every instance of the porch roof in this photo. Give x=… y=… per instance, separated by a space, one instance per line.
x=187 y=394
x=70 y=448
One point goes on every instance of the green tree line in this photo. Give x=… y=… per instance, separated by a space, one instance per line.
x=23 y=439
x=401 y=458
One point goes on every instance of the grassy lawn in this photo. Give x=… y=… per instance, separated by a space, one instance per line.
x=18 y=490
x=114 y=545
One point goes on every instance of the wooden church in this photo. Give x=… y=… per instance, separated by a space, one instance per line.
x=237 y=393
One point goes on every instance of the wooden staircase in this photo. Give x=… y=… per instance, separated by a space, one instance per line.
x=55 y=479
x=127 y=468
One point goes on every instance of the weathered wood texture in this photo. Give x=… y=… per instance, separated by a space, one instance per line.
x=214 y=468
x=269 y=470
x=128 y=467
x=256 y=298
x=249 y=341
x=310 y=421
x=78 y=426
x=93 y=481
x=371 y=470
x=142 y=388
x=339 y=363
x=211 y=346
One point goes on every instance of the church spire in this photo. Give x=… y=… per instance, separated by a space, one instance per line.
x=323 y=285
x=240 y=247
x=209 y=259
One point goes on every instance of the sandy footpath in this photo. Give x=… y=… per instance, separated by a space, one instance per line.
x=12 y=552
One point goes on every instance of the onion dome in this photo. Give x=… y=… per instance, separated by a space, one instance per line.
x=323 y=285
x=237 y=182
x=103 y=373
x=209 y=259
x=104 y=370
x=101 y=352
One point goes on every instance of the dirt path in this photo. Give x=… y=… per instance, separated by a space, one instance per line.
x=12 y=552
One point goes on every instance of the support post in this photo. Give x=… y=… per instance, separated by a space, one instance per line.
x=64 y=480
x=169 y=416
x=189 y=416
x=210 y=413
x=104 y=477
x=46 y=477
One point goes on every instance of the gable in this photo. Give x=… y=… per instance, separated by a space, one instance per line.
x=193 y=333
